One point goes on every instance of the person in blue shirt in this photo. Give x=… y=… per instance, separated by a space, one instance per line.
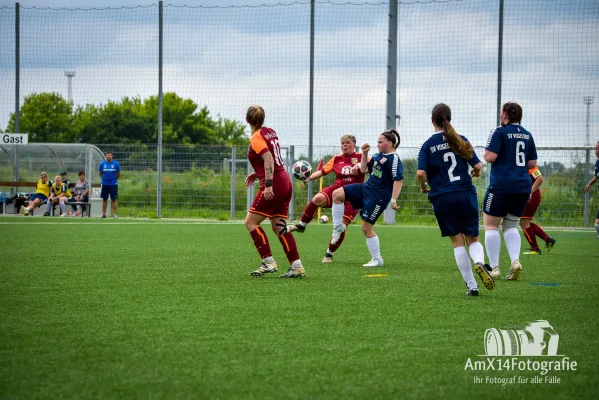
x=443 y=160
x=383 y=186
x=110 y=171
x=592 y=181
x=511 y=151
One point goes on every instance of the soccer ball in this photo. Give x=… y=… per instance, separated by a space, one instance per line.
x=324 y=219
x=301 y=170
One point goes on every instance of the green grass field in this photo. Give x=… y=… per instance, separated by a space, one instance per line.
x=160 y=310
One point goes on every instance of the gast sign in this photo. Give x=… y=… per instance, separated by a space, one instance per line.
x=15 y=138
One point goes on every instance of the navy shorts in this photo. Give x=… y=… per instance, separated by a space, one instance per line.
x=37 y=196
x=456 y=213
x=372 y=207
x=502 y=204
x=109 y=190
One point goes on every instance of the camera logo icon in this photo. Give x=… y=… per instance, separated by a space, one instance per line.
x=538 y=338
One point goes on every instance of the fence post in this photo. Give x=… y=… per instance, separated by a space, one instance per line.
x=311 y=105
x=290 y=160
x=248 y=191
x=389 y=214
x=159 y=155
x=233 y=179
x=17 y=67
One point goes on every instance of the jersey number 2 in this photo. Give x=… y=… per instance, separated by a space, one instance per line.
x=447 y=157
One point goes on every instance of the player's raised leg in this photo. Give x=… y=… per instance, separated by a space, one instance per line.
x=320 y=200
x=337 y=211
x=333 y=247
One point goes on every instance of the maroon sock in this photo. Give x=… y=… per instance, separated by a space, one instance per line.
x=289 y=247
x=261 y=242
x=529 y=234
x=333 y=247
x=309 y=212
x=540 y=232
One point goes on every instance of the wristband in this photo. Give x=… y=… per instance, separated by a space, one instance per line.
x=268 y=183
x=394 y=201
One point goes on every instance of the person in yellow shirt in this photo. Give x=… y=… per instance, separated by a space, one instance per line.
x=42 y=192
x=60 y=194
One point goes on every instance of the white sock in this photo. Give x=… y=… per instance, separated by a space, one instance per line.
x=330 y=252
x=597 y=229
x=303 y=224
x=477 y=253
x=296 y=264
x=269 y=259
x=63 y=208
x=463 y=261
x=493 y=245
x=513 y=243
x=48 y=207
x=338 y=209
x=374 y=247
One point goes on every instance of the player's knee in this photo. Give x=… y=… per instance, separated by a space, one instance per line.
x=509 y=222
x=339 y=195
x=320 y=200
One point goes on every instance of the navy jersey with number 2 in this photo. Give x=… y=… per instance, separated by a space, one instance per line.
x=514 y=147
x=446 y=172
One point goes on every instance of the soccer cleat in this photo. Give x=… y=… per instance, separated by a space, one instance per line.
x=297 y=228
x=24 y=210
x=265 y=268
x=328 y=258
x=515 y=271
x=495 y=273
x=103 y=216
x=549 y=245
x=374 y=263
x=294 y=273
x=533 y=252
x=484 y=275
x=337 y=231
x=46 y=214
x=115 y=216
x=64 y=215
x=472 y=292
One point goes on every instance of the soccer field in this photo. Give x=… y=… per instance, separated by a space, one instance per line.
x=155 y=309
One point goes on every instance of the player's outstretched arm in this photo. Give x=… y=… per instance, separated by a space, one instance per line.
x=316 y=175
x=587 y=188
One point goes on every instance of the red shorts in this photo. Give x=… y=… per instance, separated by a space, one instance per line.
x=530 y=210
x=349 y=211
x=532 y=205
x=279 y=206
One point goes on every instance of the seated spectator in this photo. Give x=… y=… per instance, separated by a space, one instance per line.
x=59 y=194
x=42 y=192
x=81 y=193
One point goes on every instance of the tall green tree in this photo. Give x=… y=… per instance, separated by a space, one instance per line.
x=46 y=117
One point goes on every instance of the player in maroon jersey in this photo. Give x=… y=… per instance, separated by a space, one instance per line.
x=341 y=165
x=272 y=200
x=530 y=229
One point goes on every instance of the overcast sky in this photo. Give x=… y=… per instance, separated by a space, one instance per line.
x=228 y=58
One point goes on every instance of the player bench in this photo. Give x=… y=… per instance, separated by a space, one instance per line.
x=34 y=184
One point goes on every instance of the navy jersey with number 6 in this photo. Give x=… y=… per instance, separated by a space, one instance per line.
x=384 y=170
x=514 y=147
x=446 y=172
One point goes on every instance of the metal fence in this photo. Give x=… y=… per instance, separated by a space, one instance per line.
x=209 y=182
x=320 y=69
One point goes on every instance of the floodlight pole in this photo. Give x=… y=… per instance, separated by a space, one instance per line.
x=17 y=69
x=70 y=75
x=588 y=100
x=391 y=117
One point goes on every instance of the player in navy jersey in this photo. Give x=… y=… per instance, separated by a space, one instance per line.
x=383 y=186
x=511 y=151
x=592 y=181
x=444 y=160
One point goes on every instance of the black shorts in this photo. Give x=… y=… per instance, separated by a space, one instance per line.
x=502 y=204
x=109 y=190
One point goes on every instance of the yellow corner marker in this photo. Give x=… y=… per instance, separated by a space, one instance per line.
x=374 y=275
